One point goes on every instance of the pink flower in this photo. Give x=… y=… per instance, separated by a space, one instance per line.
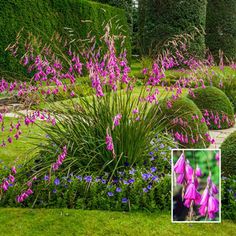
x=109 y=143
x=179 y=166
x=191 y=192
x=202 y=210
x=217 y=157
x=11 y=178
x=198 y=198
x=213 y=207
x=5 y=185
x=180 y=179
x=188 y=171
x=214 y=188
x=9 y=139
x=198 y=172
x=116 y=120
x=13 y=170
x=205 y=197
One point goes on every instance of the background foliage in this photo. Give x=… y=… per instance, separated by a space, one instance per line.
x=44 y=18
x=221 y=27
x=161 y=20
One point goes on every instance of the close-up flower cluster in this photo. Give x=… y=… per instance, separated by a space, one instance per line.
x=196 y=187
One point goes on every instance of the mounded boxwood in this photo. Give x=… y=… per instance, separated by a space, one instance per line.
x=45 y=17
x=161 y=20
x=228 y=155
x=214 y=100
x=221 y=27
x=184 y=109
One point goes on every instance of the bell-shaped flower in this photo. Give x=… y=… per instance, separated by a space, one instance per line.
x=205 y=197
x=179 y=166
x=214 y=188
x=188 y=171
x=198 y=172
x=180 y=179
x=191 y=192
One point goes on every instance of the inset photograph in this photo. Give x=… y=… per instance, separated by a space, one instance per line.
x=196 y=185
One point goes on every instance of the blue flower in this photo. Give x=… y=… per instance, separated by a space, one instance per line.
x=56 y=181
x=104 y=181
x=97 y=179
x=131 y=181
x=155 y=178
x=162 y=145
x=152 y=158
x=118 y=190
x=149 y=187
x=124 y=200
x=125 y=182
x=88 y=178
x=110 y=194
x=46 y=177
x=145 y=190
x=153 y=169
x=132 y=171
x=126 y=163
x=69 y=180
x=79 y=177
x=54 y=190
x=146 y=176
x=151 y=153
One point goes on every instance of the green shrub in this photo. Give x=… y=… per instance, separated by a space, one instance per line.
x=221 y=27
x=181 y=119
x=161 y=20
x=228 y=150
x=44 y=18
x=217 y=104
x=228 y=186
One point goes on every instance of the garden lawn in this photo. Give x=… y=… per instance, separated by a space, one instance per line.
x=16 y=221
x=21 y=147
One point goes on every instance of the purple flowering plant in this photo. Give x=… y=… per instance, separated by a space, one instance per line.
x=196 y=185
x=116 y=126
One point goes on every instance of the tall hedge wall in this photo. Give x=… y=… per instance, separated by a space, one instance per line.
x=221 y=27
x=44 y=17
x=161 y=20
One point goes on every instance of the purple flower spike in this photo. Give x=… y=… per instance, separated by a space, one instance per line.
x=191 y=192
x=180 y=165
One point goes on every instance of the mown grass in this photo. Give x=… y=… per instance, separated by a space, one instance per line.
x=16 y=221
x=20 y=148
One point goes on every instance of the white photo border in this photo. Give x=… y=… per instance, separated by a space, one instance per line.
x=172 y=179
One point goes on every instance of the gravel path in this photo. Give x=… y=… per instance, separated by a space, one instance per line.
x=220 y=136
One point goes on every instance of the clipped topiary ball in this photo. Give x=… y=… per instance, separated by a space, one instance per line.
x=215 y=106
x=228 y=155
x=185 y=120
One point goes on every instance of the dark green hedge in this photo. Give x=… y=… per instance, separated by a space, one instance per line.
x=228 y=155
x=221 y=27
x=184 y=108
x=160 y=20
x=44 y=17
x=215 y=100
